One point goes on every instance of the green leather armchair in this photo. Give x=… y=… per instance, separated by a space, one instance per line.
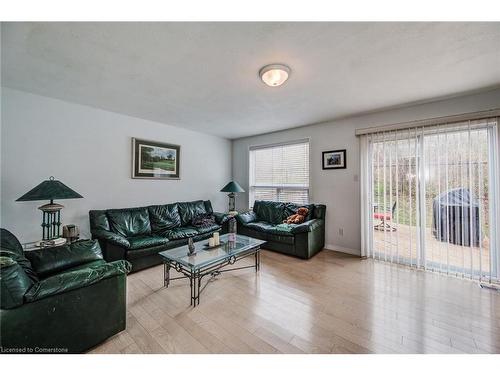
x=301 y=240
x=64 y=299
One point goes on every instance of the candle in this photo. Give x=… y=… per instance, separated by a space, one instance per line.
x=211 y=242
x=216 y=238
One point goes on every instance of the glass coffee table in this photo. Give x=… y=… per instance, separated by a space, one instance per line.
x=209 y=262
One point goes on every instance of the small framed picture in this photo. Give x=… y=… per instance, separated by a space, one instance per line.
x=151 y=159
x=334 y=159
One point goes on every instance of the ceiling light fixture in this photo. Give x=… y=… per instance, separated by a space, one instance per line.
x=274 y=74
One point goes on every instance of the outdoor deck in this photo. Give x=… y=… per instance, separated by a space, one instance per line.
x=402 y=244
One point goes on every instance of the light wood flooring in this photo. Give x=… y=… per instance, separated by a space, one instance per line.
x=332 y=303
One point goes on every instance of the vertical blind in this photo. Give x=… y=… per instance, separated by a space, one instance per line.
x=430 y=197
x=280 y=172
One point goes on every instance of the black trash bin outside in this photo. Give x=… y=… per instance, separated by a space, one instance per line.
x=462 y=222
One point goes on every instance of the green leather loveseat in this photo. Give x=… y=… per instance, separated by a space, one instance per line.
x=64 y=299
x=300 y=240
x=139 y=234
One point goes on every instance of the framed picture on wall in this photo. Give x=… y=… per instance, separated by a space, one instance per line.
x=335 y=159
x=155 y=160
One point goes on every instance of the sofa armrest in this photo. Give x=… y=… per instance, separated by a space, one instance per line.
x=81 y=278
x=308 y=226
x=111 y=237
x=246 y=217
x=221 y=217
x=319 y=211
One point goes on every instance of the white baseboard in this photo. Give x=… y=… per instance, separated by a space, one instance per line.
x=341 y=249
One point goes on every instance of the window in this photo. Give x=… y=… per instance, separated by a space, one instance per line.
x=430 y=197
x=280 y=172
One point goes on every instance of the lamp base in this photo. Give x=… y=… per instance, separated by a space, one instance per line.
x=232 y=203
x=51 y=222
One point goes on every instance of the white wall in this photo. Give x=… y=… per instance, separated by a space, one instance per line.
x=339 y=189
x=90 y=151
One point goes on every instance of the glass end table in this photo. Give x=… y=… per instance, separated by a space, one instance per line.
x=43 y=244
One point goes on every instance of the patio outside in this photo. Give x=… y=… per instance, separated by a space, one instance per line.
x=428 y=166
x=401 y=246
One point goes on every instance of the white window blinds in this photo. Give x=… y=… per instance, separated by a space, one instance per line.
x=280 y=172
x=430 y=197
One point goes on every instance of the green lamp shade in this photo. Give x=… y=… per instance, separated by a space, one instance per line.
x=232 y=187
x=48 y=190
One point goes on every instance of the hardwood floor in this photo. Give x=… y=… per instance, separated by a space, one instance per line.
x=333 y=303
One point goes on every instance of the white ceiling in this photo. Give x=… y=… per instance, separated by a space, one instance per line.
x=204 y=76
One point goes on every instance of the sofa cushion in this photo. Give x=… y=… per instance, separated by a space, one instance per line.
x=246 y=217
x=14 y=283
x=99 y=220
x=272 y=212
x=188 y=210
x=208 y=207
x=308 y=226
x=111 y=237
x=130 y=222
x=140 y=242
x=262 y=226
x=53 y=260
x=270 y=236
x=12 y=248
x=201 y=237
x=291 y=209
x=221 y=218
x=86 y=265
x=163 y=218
x=182 y=232
x=153 y=250
x=205 y=229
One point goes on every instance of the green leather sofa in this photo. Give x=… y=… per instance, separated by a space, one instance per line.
x=300 y=240
x=139 y=234
x=64 y=299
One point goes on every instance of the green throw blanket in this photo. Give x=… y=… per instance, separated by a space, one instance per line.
x=285 y=227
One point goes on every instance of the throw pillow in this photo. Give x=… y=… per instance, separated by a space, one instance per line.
x=203 y=220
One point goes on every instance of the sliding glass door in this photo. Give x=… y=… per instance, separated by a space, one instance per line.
x=431 y=197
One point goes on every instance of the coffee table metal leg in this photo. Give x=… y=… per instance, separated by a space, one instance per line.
x=197 y=299
x=192 y=286
x=257 y=260
x=166 y=274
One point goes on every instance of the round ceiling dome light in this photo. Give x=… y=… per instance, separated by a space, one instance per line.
x=274 y=75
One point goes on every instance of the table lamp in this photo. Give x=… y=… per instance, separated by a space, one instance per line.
x=49 y=190
x=232 y=188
